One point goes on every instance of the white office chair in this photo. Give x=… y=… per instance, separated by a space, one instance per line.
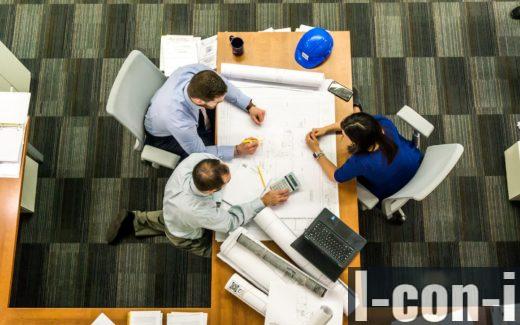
x=135 y=84
x=437 y=163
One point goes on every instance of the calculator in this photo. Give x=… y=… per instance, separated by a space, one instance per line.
x=288 y=182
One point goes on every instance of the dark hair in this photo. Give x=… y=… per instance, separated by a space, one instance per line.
x=365 y=132
x=208 y=173
x=206 y=85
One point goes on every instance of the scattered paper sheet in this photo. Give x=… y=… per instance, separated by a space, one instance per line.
x=145 y=318
x=303 y=28
x=177 y=318
x=181 y=50
x=306 y=28
x=289 y=304
x=102 y=319
x=178 y=51
x=208 y=52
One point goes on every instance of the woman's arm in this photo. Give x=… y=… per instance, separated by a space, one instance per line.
x=326 y=165
x=334 y=127
x=318 y=132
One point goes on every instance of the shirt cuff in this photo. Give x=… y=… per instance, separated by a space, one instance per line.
x=226 y=153
x=243 y=101
x=257 y=205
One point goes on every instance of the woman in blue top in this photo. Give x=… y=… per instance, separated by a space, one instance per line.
x=381 y=159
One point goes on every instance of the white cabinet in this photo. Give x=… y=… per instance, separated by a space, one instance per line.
x=512 y=156
x=13 y=74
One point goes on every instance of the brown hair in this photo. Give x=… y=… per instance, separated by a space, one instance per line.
x=208 y=174
x=206 y=85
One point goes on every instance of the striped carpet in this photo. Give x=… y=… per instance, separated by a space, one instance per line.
x=455 y=62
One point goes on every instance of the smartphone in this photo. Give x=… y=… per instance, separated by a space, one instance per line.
x=341 y=91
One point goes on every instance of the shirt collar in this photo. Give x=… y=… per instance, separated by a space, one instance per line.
x=187 y=99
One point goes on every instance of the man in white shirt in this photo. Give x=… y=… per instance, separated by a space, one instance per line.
x=192 y=207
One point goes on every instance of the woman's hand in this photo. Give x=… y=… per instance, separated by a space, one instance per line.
x=318 y=132
x=312 y=142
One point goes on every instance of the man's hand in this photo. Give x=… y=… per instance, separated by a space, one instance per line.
x=257 y=115
x=312 y=142
x=246 y=147
x=272 y=198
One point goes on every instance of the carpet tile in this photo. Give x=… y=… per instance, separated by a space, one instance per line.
x=455 y=62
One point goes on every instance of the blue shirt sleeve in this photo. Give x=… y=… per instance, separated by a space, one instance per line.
x=191 y=142
x=235 y=96
x=350 y=169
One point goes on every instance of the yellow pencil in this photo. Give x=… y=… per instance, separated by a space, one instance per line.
x=261 y=175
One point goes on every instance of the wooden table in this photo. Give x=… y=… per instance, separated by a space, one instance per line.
x=277 y=50
x=264 y=49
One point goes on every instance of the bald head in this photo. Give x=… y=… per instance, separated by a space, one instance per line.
x=210 y=175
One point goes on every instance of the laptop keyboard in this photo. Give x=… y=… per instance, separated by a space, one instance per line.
x=323 y=237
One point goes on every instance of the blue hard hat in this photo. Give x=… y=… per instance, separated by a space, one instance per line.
x=313 y=48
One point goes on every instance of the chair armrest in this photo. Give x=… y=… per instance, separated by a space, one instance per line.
x=160 y=157
x=366 y=197
x=415 y=120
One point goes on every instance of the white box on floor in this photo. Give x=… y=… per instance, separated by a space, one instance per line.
x=512 y=157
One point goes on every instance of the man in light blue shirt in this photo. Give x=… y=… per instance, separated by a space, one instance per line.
x=181 y=116
x=192 y=206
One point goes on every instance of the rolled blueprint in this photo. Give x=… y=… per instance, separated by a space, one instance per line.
x=269 y=222
x=247 y=263
x=320 y=316
x=245 y=291
x=291 y=271
x=273 y=75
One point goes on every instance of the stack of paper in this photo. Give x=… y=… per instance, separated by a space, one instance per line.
x=176 y=318
x=14 y=108
x=145 y=318
x=181 y=50
x=208 y=52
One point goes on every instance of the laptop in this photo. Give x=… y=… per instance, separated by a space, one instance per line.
x=329 y=244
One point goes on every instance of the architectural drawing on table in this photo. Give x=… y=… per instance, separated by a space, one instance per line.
x=290 y=115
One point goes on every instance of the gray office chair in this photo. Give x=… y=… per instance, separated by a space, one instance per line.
x=437 y=163
x=135 y=84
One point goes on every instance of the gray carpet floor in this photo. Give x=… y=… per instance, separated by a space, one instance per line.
x=457 y=63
